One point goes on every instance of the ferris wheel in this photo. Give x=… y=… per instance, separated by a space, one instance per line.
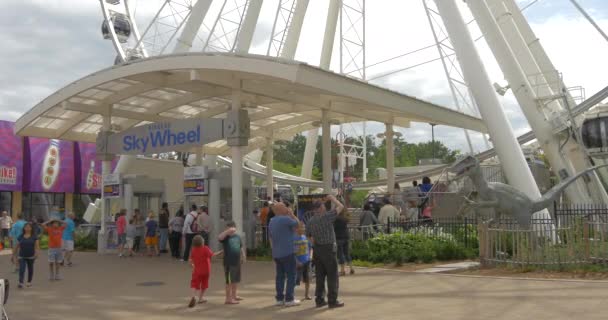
x=146 y=28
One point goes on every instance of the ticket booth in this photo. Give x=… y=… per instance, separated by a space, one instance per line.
x=128 y=192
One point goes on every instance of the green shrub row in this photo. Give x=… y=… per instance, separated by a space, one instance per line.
x=85 y=241
x=406 y=247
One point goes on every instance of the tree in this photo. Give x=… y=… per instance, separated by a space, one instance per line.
x=288 y=155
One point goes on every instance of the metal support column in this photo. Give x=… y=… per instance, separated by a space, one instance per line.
x=326 y=150
x=510 y=154
x=525 y=96
x=293 y=33
x=328 y=45
x=246 y=33
x=214 y=211
x=269 y=167
x=237 y=172
x=390 y=158
x=106 y=168
x=197 y=15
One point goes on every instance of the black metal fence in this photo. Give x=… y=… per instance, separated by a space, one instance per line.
x=569 y=214
x=465 y=229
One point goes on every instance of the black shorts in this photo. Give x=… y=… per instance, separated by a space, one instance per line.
x=232 y=273
x=303 y=273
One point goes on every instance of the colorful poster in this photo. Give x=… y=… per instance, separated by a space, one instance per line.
x=111 y=185
x=88 y=168
x=50 y=165
x=195 y=181
x=11 y=158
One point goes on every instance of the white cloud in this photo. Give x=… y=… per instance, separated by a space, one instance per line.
x=49 y=43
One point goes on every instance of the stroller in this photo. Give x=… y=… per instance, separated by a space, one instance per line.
x=4 y=286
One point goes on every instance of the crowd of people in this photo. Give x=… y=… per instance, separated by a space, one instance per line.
x=187 y=235
x=316 y=243
x=411 y=204
x=23 y=239
x=319 y=243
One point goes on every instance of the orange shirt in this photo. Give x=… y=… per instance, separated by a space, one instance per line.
x=264 y=215
x=55 y=234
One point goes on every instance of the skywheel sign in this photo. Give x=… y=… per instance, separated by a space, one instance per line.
x=162 y=137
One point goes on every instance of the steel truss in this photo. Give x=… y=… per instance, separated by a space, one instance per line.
x=223 y=34
x=282 y=21
x=461 y=95
x=352 y=38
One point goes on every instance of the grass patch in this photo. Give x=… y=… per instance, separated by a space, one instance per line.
x=367 y=264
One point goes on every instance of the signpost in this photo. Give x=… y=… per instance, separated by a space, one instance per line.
x=195 y=181
x=161 y=137
x=111 y=185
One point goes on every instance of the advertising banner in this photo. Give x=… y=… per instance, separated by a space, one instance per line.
x=111 y=185
x=305 y=202
x=50 y=164
x=88 y=169
x=195 y=181
x=11 y=158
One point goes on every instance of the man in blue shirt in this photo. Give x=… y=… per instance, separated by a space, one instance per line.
x=16 y=232
x=17 y=229
x=281 y=228
x=68 y=238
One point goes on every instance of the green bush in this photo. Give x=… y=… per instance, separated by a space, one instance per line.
x=402 y=247
x=468 y=236
x=85 y=241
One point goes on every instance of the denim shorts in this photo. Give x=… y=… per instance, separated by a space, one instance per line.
x=122 y=239
x=55 y=255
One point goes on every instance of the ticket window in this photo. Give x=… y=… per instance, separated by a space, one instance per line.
x=6 y=201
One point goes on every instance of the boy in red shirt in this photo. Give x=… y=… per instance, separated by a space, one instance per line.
x=200 y=259
x=55 y=231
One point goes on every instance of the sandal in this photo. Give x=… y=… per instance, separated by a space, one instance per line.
x=237 y=298
x=192 y=303
x=231 y=302
x=202 y=301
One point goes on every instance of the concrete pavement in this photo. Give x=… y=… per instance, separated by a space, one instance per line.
x=106 y=287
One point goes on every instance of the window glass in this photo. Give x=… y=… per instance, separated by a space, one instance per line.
x=42 y=206
x=6 y=201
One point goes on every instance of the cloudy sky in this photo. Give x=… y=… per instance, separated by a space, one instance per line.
x=47 y=44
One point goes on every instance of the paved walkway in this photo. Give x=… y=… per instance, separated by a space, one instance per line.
x=105 y=287
x=450 y=267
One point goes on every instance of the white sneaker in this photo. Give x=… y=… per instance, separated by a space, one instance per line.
x=292 y=303
x=279 y=304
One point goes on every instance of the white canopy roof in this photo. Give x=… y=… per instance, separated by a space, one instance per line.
x=282 y=97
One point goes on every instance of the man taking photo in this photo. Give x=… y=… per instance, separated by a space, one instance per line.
x=321 y=229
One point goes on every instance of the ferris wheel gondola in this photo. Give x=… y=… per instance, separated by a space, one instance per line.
x=140 y=29
x=594 y=132
x=122 y=27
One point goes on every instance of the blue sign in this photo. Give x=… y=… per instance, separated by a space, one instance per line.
x=162 y=137
x=159 y=138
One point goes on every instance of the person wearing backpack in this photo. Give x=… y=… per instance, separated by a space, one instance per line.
x=190 y=230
